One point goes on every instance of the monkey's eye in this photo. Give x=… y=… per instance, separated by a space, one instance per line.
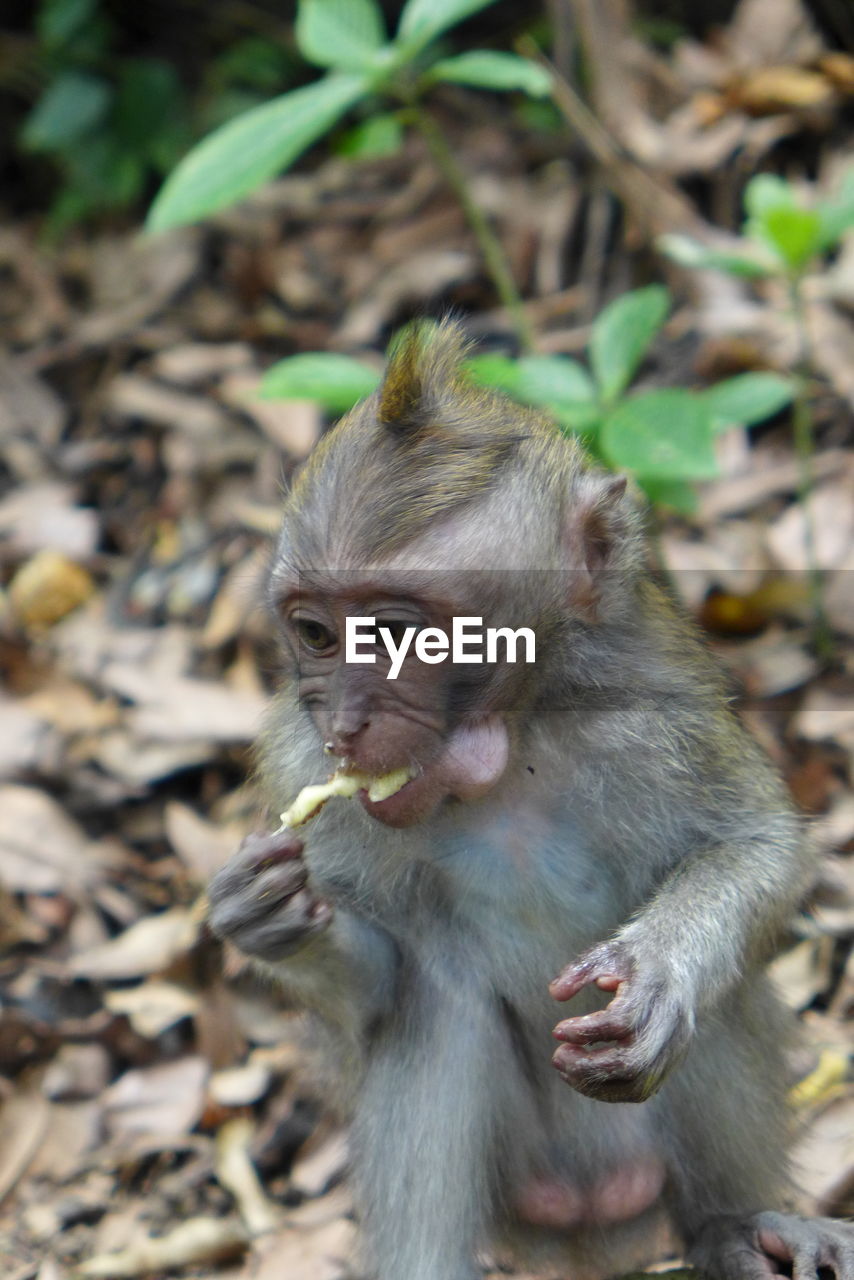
x=314 y=635
x=396 y=628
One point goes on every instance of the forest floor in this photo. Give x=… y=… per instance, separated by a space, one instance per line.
x=150 y=1103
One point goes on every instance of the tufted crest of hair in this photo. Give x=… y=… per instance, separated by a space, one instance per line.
x=426 y=443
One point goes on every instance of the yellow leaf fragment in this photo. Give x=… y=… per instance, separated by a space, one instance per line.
x=48 y=587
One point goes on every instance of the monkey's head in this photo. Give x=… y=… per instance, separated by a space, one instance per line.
x=431 y=501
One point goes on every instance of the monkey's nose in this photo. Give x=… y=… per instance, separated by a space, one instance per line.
x=344 y=738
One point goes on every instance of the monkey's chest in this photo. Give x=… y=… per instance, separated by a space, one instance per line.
x=530 y=876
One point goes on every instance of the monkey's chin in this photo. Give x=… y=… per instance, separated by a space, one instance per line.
x=470 y=764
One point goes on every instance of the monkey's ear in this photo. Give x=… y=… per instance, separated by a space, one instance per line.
x=423 y=363
x=597 y=534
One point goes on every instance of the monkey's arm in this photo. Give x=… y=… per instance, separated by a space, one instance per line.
x=333 y=962
x=713 y=917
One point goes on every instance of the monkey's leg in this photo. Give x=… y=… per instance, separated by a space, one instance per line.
x=728 y=1136
x=423 y=1136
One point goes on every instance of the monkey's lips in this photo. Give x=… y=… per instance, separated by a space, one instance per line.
x=470 y=763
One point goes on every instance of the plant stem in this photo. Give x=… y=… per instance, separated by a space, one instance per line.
x=490 y=246
x=802 y=425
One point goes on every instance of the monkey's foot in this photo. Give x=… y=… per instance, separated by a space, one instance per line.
x=260 y=899
x=771 y=1245
x=624 y=1194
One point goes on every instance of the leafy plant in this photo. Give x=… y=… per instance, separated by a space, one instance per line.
x=664 y=437
x=783 y=237
x=108 y=123
x=348 y=39
x=105 y=123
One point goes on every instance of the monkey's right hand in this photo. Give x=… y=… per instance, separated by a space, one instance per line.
x=261 y=901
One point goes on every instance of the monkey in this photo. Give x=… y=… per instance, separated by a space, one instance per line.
x=598 y=814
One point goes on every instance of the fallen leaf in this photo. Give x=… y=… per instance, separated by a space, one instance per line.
x=166 y=1100
x=149 y=946
x=197 y=1241
x=47 y=587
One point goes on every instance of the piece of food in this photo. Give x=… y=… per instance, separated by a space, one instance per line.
x=312 y=799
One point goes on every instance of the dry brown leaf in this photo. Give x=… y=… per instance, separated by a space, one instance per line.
x=301 y=1254
x=825 y=1148
x=190 y=363
x=202 y=846
x=199 y=1240
x=238 y=597
x=42 y=850
x=826 y=716
x=133 y=396
x=47 y=587
x=43 y=515
x=241 y=1086
x=166 y=1100
x=153 y=1007
x=77 y=1071
x=236 y=1172
x=770 y=32
x=137 y=763
x=72 y=1132
x=803 y=971
x=772 y=89
x=149 y=946
x=24 y=1118
x=181 y=709
x=28 y=407
x=313 y=1173
x=831 y=514
x=292 y=425
x=26 y=743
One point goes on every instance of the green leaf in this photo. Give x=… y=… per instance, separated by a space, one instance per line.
x=335 y=382
x=677 y=495
x=58 y=20
x=767 y=191
x=242 y=154
x=68 y=109
x=340 y=33
x=423 y=20
x=621 y=336
x=149 y=102
x=379 y=135
x=502 y=71
x=537 y=380
x=836 y=216
x=691 y=253
x=795 y=234
x=581 y=418
x=666 y=435
x=498 y=373
x=747 y=398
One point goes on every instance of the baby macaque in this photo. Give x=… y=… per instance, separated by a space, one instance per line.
x=596 y=814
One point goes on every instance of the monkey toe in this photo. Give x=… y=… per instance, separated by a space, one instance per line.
x=775 y=1245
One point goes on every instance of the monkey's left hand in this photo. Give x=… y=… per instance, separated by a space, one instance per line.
x=622 y=1052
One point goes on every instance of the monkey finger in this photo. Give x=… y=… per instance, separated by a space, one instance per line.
x=606 y=1077
x=613 y=1023
x=265 y=846
x=606 y=965
x=279 y=933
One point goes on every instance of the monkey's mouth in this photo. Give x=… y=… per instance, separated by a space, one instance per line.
x=469 y=765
